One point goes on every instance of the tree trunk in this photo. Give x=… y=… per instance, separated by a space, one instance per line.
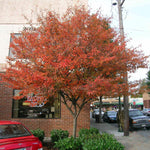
x=74 y=126
x=126 y=116
x=100 y=109
x=120 y=118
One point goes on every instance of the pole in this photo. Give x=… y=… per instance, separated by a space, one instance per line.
x=126 y=110
x=120 y=129
x=100 y=109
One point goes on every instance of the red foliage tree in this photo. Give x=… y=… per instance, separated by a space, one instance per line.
x=78 y=56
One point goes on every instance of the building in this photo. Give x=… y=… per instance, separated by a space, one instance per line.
x=113 y=103
x=108 y=104
x=146 y=100
x=46 y=116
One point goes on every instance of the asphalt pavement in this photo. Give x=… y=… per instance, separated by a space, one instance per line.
x=134 y=141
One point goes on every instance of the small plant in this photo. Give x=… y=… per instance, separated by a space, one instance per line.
x=69 y=144
x=38 y=133
x=57 y=135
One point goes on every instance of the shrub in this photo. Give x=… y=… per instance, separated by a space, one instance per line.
x=56 y=135
x=69 y=144
x=103 y=141
x=87 y=132
x=38 y=133
x=89 y=139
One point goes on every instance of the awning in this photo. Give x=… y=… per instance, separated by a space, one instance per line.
x=136 y=103
x=107 y=103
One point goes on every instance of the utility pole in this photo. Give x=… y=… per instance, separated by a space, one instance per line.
x=125 y=98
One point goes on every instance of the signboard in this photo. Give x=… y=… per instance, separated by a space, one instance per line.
x=136 y=101
x=35 y=101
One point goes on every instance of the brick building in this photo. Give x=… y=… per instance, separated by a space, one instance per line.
x=146 y=100
x=64 y=121
x=47 y=116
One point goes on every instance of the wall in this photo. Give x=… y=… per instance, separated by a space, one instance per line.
x=5 y=101
x=65 y=122
x=146 y=100
x=14 y=13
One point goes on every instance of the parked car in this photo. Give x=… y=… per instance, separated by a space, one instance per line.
x=137 y=119
x=14 y=135
x=146 y=111
x=110 y=116
x=96 y=112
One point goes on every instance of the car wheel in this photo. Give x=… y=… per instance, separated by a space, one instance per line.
x=147 y=128
x=109 y=120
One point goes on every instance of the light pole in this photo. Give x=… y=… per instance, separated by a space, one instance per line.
x=125 y=100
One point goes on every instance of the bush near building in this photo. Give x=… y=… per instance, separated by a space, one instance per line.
x=89 y=139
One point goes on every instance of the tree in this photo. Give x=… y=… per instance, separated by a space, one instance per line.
x=139 y=89
x=148 y=81
x=77 y=55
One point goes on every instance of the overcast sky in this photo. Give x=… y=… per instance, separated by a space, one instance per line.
x=136 y=21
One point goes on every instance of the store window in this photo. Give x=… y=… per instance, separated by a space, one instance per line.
x=36 y=107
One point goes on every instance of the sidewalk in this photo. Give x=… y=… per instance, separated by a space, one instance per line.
x=132 y=142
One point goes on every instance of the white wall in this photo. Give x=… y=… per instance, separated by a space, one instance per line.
x=12 y=18
x=5 y=31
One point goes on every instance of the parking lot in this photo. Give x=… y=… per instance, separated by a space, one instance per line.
x=137 y=139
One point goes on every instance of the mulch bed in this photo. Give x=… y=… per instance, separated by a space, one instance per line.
x=48 y=146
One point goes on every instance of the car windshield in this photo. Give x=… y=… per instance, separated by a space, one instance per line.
x=135 y=113
x=110 y=113
x=147 y=109
x=96 y=110
x=13 y=130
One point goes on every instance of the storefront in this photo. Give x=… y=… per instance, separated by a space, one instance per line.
x=108 y=104
x=36 y=107
x=136 y=103
x=48 y=115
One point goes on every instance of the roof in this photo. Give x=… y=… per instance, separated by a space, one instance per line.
x=107 y=103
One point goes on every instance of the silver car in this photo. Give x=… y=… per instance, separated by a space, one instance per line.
x=96 y=112
x=146 y=111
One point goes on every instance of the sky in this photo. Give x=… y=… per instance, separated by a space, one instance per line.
x=136 y=22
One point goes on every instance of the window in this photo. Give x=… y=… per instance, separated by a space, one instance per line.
x=10 y=49
x=12 y=131
x=36 y=107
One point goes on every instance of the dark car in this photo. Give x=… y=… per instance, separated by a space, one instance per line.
x=110 y=116
x=15 y=136
x=137 y=119
x=146 y=111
